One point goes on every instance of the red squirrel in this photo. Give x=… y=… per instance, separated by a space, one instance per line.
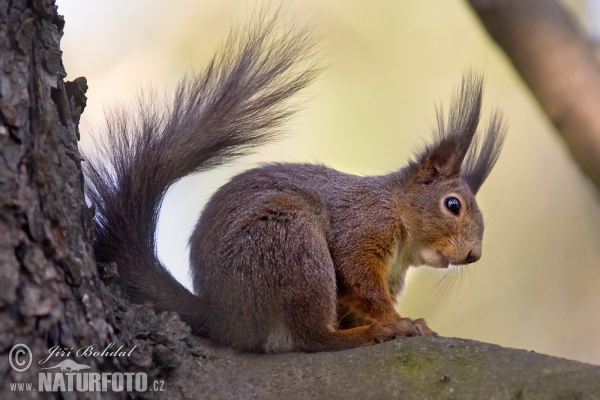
x=284 y=257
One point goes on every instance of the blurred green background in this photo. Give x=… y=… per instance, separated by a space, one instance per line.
x=389 y=62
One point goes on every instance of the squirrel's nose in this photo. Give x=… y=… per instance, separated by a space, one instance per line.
x=473 y=256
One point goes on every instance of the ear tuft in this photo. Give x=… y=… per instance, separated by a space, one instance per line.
x=484 y=153
x=444 y=157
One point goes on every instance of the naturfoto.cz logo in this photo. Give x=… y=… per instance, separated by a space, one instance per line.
x=71 y=376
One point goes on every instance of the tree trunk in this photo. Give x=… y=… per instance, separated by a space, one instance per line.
x=51 y=295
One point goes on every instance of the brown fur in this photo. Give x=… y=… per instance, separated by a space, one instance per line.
x=285 y=256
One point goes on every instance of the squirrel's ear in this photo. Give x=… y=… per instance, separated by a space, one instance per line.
x=441 y=161
x=453 y=137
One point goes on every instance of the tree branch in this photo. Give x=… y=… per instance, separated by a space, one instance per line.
x=405 y=368
x=558 y=65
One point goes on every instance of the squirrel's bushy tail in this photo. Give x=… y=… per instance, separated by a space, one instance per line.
x=237 y=103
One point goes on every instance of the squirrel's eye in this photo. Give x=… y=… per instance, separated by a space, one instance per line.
x=453 y=205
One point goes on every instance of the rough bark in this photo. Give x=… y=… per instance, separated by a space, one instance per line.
x=557 y=63
x=50 y=291
x=52 y=295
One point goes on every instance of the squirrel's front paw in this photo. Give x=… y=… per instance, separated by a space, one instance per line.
x=381 y=333
x=408 y=327
x=422 y=327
